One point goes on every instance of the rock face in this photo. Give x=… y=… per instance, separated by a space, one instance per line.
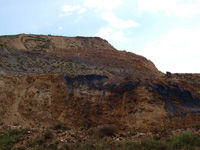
x=85 y=82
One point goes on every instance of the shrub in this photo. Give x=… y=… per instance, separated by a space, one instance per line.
x=106 y=130
x=21 y=148
x=60 y=126
x=7 y=140
x=1 y=44
x=83 y=146
x=53 y=145
x=154 y=144
x=38 y=141
x=185 y=139
x=48 y=135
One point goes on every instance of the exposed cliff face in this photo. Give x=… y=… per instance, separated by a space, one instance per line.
x=91 y=86
x=90 y=100
x=80 y=101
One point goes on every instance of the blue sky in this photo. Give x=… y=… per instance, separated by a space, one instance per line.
x=165 y=31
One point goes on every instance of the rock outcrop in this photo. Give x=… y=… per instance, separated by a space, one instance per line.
x=85 y=82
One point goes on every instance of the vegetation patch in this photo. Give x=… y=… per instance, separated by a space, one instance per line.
x=10 y=36
x=106 y=130
x=12 y=140
x=1 y=44
x=7 y=140
x=37 y=142
x=183 y=141
x=40 y=42
x=60 y=126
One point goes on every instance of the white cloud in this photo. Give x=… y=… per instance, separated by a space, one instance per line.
x=111 y=34
x=68 y=10
x=176 y=51
x=103 y=4
x=115 y=30
x=184 y=8
x=82 y=10
x=60 y=28
x=117 y=22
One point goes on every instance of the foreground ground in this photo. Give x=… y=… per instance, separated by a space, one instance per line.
x=62 y=138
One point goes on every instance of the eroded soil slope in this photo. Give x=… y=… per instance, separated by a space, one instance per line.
x=85 y=82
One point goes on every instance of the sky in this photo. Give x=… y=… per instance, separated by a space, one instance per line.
x=167 y=32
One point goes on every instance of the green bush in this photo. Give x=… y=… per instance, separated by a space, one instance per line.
x=185 y=139
x=7 y=140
